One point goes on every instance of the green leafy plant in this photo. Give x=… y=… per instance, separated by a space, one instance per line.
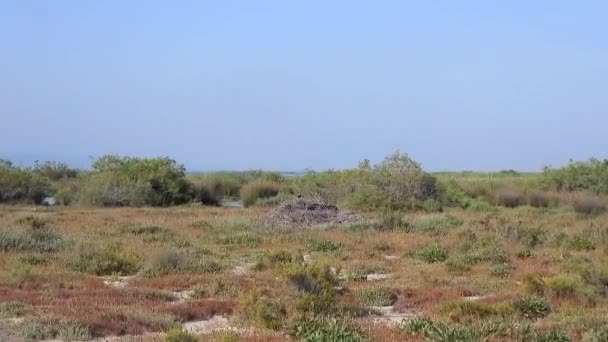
x=532 y=307
x=432 y=253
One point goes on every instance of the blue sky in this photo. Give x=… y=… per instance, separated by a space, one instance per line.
x=288 y=85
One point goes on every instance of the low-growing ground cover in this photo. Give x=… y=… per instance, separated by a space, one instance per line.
x=208 y=273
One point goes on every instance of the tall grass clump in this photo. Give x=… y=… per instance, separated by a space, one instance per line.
x=251 y=192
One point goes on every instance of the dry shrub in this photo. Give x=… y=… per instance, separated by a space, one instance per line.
x=308 y=212
x=251 y=192
x=205 y=194
x=383 y=333
x=419 y=299
x=21 y=296
x=589 y=205
x=108 y=322
x=172 y=282
x=109 y=311
x=509 y=198
x=199 y=309
x=105 y=260
x=539 y=199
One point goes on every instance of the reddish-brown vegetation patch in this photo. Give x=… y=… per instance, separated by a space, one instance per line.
x=421 y=299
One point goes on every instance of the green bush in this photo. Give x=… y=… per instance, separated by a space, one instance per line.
x=105 y=260
x=22 y=185
x=178 y=334
x=48 y=329
x=588 y=175
x=316 y=286
x=532 y=307
x=485 y=249
x=184 y=262
x=393 y=220
x=436 y=224
x=417 y=325
x=54 y=171
x=432 y=253
x=11 y=309
x=66 y=190
x=322 y=302
x=580 y=243
x=534 y=284
x=469 y=311
x=523 y=253
x=251 y=192
x=376 y=297
x=563 y=286
x=398 y=182
x=112 y=190
x=458 y=265
x=126 y=181
x=501 y=270
x=552 y=336
x=326 y=330
x=34 y=259
x=452 y=195
x=437 y=331
x=42 y=240
x=271 y=260
x=325 y=246
x=262 y=310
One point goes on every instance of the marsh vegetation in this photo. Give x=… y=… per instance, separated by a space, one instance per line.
x=140 y=247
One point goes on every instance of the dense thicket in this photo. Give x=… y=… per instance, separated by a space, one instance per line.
x=396 y=183
x=119 y=181
x=21 y=185
x=591 y=175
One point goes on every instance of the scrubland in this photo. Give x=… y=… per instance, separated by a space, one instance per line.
x=138 y=250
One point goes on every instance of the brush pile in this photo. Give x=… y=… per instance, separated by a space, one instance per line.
x=307 y=212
